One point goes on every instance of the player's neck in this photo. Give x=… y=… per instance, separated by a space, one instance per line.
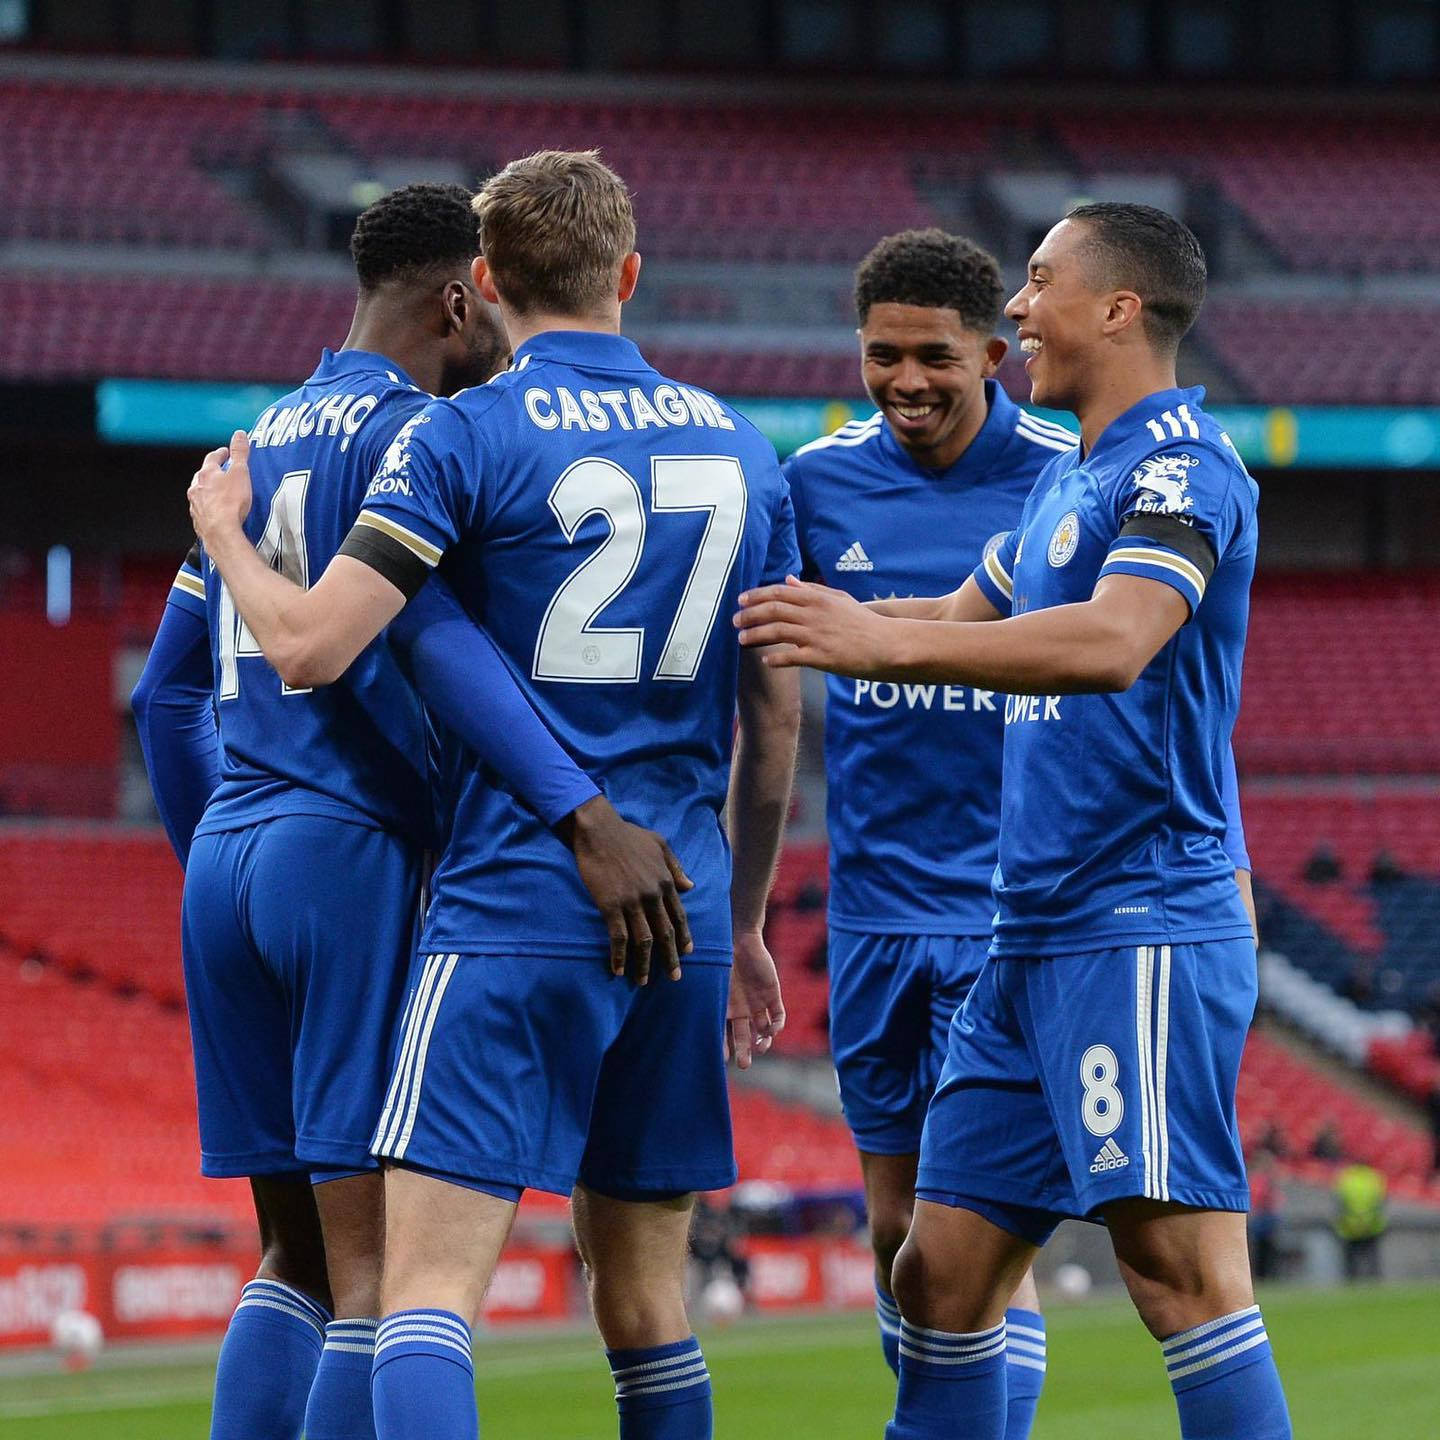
x=416 y=354
x=1115 y=393
x=521 y=328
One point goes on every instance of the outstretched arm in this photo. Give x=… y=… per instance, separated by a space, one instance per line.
x=1101 y=644
x=175 y=719
x=968 y=603
x=309 y=636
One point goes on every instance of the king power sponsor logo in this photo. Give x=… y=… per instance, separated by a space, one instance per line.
x=884 y=695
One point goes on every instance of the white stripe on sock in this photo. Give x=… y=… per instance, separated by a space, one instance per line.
x=1185 y=1337
x=1181 y=1371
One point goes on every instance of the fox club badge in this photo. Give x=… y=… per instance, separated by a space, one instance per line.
x=1064 y=540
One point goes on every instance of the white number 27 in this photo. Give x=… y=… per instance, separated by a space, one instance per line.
x=570 y=646
x=283 y=546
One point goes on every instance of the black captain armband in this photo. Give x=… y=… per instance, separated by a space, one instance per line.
x=386 y=556
x=1175 y=535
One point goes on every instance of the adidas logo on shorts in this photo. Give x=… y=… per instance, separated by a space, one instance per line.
x=855 y=558
x=1111 y=1157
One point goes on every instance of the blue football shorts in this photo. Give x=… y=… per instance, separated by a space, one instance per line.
x=1078 y=1080
x=539 y=1071
x=892 y=998
x=296 y=936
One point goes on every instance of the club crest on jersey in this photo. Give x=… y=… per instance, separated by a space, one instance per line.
x=1064 y=540
x=391 y=477
x=1164 y=484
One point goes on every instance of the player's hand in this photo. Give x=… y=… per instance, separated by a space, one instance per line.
x=636 y=883
x=757 y=1013
x=220 y=495
x=813 y=625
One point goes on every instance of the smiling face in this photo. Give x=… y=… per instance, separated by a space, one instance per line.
x=1062 y=321
x=925 y=370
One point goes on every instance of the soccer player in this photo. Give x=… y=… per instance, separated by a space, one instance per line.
x=1092 y=1070
x=302 y=884
x=599 y=519
x=904 y=503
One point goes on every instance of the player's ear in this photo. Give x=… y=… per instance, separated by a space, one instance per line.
x=484 y=280
x=995 y=349
x=629 y=276
x=455 y=302
x=1122 y=311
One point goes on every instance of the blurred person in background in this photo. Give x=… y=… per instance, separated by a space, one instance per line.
x=1267 y=1204
x=1360 y=1218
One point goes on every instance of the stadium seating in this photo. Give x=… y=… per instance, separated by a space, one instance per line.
x=1308 y=182
x=1358 y=695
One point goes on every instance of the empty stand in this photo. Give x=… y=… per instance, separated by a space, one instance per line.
x=1340 y=675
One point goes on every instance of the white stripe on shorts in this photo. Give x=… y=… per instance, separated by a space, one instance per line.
x=1162 y=1048
x=422 y=1049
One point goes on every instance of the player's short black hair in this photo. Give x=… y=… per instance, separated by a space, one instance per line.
x=931 y=268
x=1143 y=249
x=414 y=230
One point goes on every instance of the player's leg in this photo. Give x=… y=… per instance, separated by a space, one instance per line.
x=659 y=1130
x=955 y=963
x=989 y=1189
x=442 y=1242
x=337 y=941
x=494 y=1076
x=240 y=1032
x=1140 y=1052
x=881 y=1039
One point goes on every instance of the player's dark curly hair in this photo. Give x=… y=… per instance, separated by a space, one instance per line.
x=931 y=268
x=413 y=230
x=1140 y=248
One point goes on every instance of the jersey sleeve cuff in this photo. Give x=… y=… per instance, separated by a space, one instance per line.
x=995 y=583
x=187 y=590
x=404 y=558
x=1154 y=562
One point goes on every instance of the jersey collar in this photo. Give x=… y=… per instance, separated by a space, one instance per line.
x=581 y=347
x=1119 y=434
x=979 y=455
x=334 y=363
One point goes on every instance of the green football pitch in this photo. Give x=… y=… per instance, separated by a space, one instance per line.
x=1360 y=1362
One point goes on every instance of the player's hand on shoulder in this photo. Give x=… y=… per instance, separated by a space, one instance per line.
x=812 y=625
x=219 y=494
x=757 y=1013
x=636 y=883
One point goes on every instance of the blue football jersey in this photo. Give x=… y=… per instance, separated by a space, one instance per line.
x=600 y=521
x=356 y=750
x=1113 y=825
x=913 y=771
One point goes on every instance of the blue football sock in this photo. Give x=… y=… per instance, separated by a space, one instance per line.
x=340 y=1407
x=663 y=1392
x=1225 y=1382
x=950 y=1385
x=1025 y=1369
x=423 y=1384
x=267 y=1363
x=887 y=1313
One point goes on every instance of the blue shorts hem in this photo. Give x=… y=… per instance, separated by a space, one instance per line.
x=1094 y=1200
x=889 y=1141
x=339 y=1154
x=1030 y=1223
x=660 y=1182
x=977 y=1185
x=232 y=1166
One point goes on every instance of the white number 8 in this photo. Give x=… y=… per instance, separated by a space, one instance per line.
x=1104 y=1106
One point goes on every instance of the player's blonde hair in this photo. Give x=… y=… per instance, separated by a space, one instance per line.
x=554 y=229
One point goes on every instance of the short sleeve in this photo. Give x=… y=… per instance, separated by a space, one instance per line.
x=187 y=590
x=995 y=574
x=782 y=555
x=424 y=495
x=1178 y=512
x=791 y=470
x=1235 y=846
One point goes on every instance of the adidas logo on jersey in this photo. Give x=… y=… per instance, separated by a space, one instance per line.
x=1111 y=1157
x=855 y=558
